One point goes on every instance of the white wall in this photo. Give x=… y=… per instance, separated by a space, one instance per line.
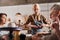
x=25 y=9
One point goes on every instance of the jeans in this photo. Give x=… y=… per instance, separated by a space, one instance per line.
x=34 y=31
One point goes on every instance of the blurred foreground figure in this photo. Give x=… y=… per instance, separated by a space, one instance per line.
x=55 y=13
x=22 y=37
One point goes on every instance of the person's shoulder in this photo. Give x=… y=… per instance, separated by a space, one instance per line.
x=41 y=16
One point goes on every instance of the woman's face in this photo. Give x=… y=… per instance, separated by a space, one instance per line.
x=36 y=9
x=3 y=18
x=54 y=14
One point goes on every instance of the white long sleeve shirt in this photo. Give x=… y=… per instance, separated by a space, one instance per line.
x=3 y=32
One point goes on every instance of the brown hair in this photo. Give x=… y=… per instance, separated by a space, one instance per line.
x=2 y=14
x=18 y=13
x=55 y=7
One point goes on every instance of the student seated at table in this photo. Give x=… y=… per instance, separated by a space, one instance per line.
x=36 y=20
x=19 y=19
x=3 y=23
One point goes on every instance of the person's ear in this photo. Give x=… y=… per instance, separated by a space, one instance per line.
x=59 y=12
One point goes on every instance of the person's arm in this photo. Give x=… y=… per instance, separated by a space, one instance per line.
x=55 y=26
x=58 y=34
x=44 y=19
x=28 y=20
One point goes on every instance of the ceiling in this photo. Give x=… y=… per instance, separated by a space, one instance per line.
x=22 y=2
